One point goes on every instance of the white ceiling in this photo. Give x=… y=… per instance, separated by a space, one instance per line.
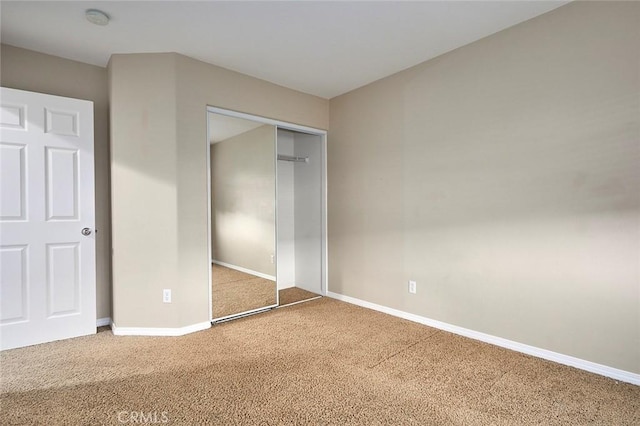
x=318 y=47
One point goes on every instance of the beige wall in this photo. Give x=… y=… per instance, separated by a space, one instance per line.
x=144 y=190
x=243 y=191
x=504 y=177
x=28 y=70
x=159 y=177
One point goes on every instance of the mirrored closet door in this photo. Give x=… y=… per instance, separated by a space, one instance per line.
x=243 y=232
x=268 y=215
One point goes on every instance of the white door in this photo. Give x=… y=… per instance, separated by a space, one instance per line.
x=47 y=239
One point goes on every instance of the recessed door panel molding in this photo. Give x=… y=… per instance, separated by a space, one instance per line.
x=47 y=219
x=13 y=116
x=63 y=279
x=64 y=123
x=13 y=186
x=15 y=284
x=61 y=183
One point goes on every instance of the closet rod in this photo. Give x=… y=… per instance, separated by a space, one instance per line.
x=294 y=159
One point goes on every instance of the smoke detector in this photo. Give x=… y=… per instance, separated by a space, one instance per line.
x=97 y=17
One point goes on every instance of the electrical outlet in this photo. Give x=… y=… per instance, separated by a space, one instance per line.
x=412 y=287
x=272 y=257
x=166 y=295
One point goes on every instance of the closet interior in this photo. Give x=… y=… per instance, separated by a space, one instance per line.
x=299 y=204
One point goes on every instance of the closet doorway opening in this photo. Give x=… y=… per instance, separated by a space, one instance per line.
x=267 y=213
x=299 y=219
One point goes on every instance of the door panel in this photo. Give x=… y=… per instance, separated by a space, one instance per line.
x=63 y=274
x=12 y=116
x=61 y=183
x=14 y=291
x=61 y=122
x=13 y=185
x=47 y=280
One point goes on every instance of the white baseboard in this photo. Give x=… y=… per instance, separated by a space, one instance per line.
x=245 y=270
x=603 y=370
x=101 y=322
x=157 y=331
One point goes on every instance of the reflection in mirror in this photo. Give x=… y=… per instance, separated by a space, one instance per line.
x=242 y=215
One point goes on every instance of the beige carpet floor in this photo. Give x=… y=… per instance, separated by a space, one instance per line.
x=234 y=292
x=322 y=362
x=294 y=295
